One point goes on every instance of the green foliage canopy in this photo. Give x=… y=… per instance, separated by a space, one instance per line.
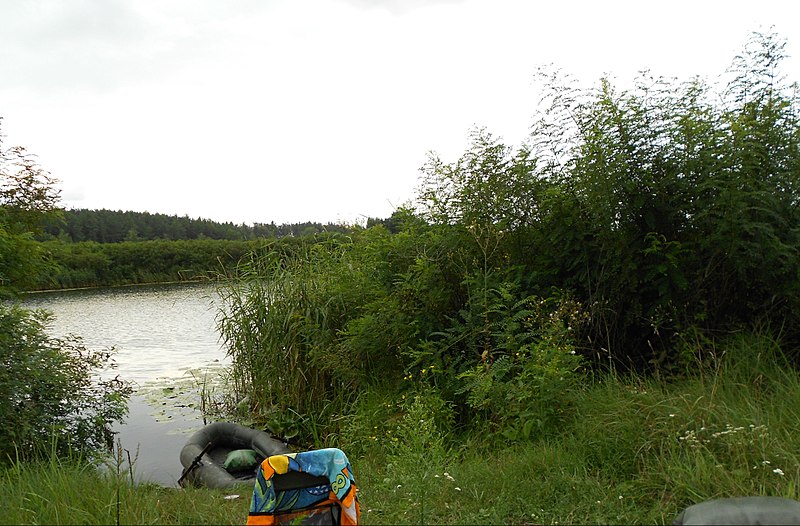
x=27 y=197
x=676 y=203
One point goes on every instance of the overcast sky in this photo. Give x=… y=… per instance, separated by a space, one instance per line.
x=321 y=110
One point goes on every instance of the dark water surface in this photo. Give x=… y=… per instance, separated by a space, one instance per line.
x=167 y=344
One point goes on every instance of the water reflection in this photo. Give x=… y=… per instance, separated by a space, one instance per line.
x=158 y=331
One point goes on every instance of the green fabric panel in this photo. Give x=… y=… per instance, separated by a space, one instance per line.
x=241 y=459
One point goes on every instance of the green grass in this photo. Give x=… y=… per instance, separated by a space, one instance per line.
x=64 y=492
x=633 y=450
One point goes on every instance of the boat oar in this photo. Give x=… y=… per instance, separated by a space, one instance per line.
x=194 y=464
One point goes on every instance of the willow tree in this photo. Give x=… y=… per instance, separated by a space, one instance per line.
x=28 y=197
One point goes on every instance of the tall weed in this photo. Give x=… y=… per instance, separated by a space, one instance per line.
x=289 y=323
x=417 y=459
x=529 y=363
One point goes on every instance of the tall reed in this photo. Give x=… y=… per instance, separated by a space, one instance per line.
x=280 y=320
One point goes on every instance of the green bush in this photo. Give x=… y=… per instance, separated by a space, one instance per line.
x=674 y=204
x=525 y=377
x=50 y=399
x=660 y=216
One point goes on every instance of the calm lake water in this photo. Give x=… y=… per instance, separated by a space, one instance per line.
x=167 y=344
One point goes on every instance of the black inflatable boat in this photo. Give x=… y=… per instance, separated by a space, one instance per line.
x=222 y=455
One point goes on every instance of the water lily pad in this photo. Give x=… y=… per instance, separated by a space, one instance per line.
x=185 y=395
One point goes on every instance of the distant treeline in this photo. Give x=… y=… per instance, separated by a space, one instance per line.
x=92 y=264
x=100 y=248
x=110 y=226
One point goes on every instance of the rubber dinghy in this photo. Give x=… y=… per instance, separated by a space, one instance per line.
x=222 y=455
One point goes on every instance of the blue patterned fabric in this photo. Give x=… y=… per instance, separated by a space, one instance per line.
x=330 y=463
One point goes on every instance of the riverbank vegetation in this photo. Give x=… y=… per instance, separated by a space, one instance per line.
x=102 y=248
x=106 y=248
x=630 y=450
x=637 y=229
x=640 y=232
x=51 y=397
x=599 y=326
x=91 y=264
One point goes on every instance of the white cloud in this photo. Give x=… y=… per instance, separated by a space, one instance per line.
x=320 y=110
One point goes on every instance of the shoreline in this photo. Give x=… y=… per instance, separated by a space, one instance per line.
x=125 y=285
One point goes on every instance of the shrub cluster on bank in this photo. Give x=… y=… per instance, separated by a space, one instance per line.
x=53 y=398
x=635 y=228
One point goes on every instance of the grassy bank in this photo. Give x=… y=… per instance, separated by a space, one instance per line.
x=631 y=450
x=71 y=493
x=635 y=451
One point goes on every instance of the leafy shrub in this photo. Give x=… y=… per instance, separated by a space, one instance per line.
x=524 y=377
x=419 y=454
x=674 y=204
x=51 y=400
x=633 y=222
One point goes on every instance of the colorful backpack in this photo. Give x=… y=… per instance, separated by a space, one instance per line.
x=312 y=487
